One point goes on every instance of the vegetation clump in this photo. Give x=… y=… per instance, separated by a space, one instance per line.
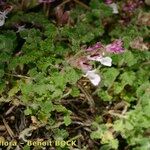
x=74 y=75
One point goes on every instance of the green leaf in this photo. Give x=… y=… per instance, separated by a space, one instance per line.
x=8 y=42
x=104 y=10
x=4 y=57
x=142 y=89
x=67 y=120
x=128 y=78
x=28 y=111
x=109 y=75
x=118 y=59
x=59 y=80
x=26 y=147
x=60 y=134
x=99 y=132
x=114 y=143
x=72 y=75
x=129 y=58
x=119 y=125
x=57 y=94
x=47 y=107
x=104 y=95
x=128 y=126
x=50 y=31
x=1 y=73
x=118 y=87
x=75 y=92
x=60 y=108
x=13 y=91
x=2 y=86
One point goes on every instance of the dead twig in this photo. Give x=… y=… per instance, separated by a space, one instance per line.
x=76 y=1
x=9 y=130
x=87 y=95
x=26 y=133
x=82 y=4
x=19 y=76
x=112 y=113
x=9 y=110
x=2 y=128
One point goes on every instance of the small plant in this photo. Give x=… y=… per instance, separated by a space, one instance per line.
x=75 y=71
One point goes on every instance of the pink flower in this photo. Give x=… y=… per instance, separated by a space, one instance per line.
x=94 y=57
x=115 y=47
x=96 y=46
x=84 y=65
x=130 y=6
x=108 y=1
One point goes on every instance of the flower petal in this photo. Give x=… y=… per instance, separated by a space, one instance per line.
x=2 y=17
x=114 y=8
x=2 y=20
x=106 y=61
x=93 y=77
x=115 y=47
x=83 y=64
x=94 y=57
x=108 y=1
x=96 y=46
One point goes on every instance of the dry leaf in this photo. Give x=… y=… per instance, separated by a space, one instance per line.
x=138 y=44
x=144 y=19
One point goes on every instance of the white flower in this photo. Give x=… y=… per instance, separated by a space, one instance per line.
x=106 y=61
x=2 y=18
x=114 y=8
x=93 y=77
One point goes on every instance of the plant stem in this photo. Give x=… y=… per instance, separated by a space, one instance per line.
x=17 y=75
x=82 y=4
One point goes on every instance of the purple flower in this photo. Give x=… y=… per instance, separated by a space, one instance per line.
x=108 y=1
x=130 y=6
x=46 y=1
x=84 y=64
x=115 y=47
x=94 y=57
x=96 y=46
